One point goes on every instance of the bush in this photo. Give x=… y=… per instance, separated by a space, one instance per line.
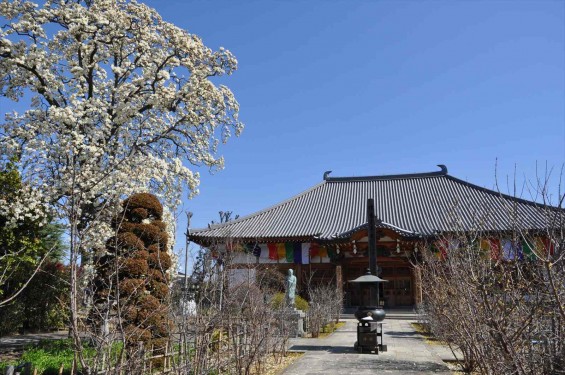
x=147 y=201
x=41 y=305
x=277 y=302
x=47 y=356
x=325 y=305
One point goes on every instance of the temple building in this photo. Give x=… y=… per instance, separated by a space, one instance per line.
x=322 y=233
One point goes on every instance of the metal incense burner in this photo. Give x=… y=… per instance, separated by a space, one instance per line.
x=369 y=326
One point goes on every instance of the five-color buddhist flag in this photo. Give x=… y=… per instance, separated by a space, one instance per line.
x=331 y=253
x=297 y=251
x=442 y=245
x=289 y=248
x=265 y=253
x=281 y=251
x=484 y=247
x=273 y=254
x=256 y=250
x=305 y=253
x=314 y=249
x=549 y=246
x=540 y=245
x=494 y=248
x=528 y=248
x=511 y=250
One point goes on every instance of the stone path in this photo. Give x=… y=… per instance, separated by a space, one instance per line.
x=15 y=342
x=407 y=353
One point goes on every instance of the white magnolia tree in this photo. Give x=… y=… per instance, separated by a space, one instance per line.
x=121 y=102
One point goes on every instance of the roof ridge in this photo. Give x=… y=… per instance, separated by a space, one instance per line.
x=503 y=195
x=378 y=224
x=442 y=172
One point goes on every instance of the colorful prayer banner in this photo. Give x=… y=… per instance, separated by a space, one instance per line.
x=442 y=245
x=314 y=250
x=281 y=251
x=305 y=253
x=549 y=246
x=273 y=253
x=494 y=248
x=289 y=252
x=297 y=251
x=256 y=250
x=484 y=248
x=511 y=250
x=528 y=247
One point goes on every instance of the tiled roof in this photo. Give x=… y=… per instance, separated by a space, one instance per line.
x=421 y=204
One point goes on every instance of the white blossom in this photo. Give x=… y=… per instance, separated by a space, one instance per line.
x=122 y=102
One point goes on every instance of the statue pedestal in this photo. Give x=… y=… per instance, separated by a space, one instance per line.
x=296 y=320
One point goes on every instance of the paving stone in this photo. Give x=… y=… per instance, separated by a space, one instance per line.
x=407 y=353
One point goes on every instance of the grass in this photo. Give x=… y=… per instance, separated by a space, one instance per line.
x=329 y=328
x=423 y=330
x=273 y=366
x=48 y=356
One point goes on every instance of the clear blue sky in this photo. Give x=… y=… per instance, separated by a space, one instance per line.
x=381 y=87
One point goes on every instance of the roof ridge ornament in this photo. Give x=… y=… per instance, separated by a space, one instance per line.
x=443 y=168
x=326 y=174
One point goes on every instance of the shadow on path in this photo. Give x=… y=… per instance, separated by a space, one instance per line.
x=401 y=334
x=336 y=349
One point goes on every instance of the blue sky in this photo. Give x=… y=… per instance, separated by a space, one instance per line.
x=381 y=87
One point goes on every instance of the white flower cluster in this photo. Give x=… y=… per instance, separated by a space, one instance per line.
x=26 y=206
x=122 y=102
x=168 y=218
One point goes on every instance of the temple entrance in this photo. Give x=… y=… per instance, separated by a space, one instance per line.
x=397 y=292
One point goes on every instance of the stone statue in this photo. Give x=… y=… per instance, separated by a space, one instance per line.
x=290 y=285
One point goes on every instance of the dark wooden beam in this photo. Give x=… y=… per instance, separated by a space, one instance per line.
x=372 y=236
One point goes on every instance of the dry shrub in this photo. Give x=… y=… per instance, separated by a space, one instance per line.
x=158 y=289
x=146 y=201
x=132 y=287
x=130 y=313
x=153 y=248
x=139 y=214
x=149 y=303
x=140 y=270
x=124 y=242
x=160 y=224
x=157 y=275
x=150 y=233
x=135 y=267
x=235 y=328
x=270 y=279
x=140 y=254
x=502 y=315
x=135 y=333
x=325 y=303
x=159 y=260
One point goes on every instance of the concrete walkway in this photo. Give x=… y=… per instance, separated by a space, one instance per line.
x=16 y=342
x=407 y=352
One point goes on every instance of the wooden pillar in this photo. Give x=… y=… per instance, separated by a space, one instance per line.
x=372 y=236
x=338 y=279
x=299 y=277
x=374 y=299
x=417 y=282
